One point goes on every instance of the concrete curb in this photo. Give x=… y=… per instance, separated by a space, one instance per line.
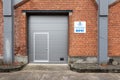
x=11 y=68
x=95 y=68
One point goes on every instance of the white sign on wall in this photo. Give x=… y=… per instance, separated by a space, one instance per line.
x=80 y=27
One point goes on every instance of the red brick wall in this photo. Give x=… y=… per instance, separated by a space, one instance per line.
x=83 y=10
x=79 y=44
x=114 y=30
x=1 y=29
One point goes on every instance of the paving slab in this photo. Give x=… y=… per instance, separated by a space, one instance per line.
x=57 y=75
x=55 y=72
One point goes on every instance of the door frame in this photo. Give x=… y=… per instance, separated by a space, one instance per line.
x=32 y=13
x=35 y=33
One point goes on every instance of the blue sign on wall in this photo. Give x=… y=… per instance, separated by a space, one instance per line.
x=80 y=27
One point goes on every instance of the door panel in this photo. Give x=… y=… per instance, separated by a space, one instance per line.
x=40 y=47
x=57 y=27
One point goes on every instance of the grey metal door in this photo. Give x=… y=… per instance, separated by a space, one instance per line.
x=53 y=45
x=41 y=47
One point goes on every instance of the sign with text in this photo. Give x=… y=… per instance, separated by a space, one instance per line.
x=80 y=27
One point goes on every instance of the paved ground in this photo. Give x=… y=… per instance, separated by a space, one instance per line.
x=63 y=74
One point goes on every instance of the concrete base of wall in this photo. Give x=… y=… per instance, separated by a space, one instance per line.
x=73 y=60
x=23 y=59
x=1 y=60
x=83 y=64
x=114 y=60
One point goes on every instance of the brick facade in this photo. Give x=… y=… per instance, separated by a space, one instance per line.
x=114 y=30
x=83 y=10
x=1 y=29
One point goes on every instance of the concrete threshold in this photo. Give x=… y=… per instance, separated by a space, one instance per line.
x=53 y=67
x=48 y=64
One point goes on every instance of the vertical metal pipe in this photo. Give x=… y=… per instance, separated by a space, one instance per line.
x=8 y=31
x=103 y=32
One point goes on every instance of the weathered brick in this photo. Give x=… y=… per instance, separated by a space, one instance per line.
x=114 y=30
